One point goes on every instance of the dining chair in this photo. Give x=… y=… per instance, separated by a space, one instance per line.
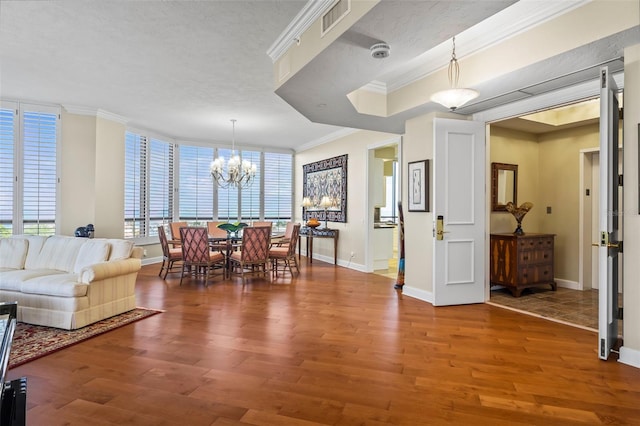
x=170 y=255
x=259 y=224
x=286 y=238
x=253 y=256
x=215 y=232
x=198 y=259
x=285 y=254
x=174 y=227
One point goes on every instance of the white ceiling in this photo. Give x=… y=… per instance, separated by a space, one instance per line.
x=185 y=68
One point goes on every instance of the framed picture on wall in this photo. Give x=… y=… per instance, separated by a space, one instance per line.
x=418 y=186
x=324 y=185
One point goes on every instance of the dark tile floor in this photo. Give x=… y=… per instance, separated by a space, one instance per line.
x=566 y=305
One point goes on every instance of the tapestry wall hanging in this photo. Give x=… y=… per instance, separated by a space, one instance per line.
x=325 y=186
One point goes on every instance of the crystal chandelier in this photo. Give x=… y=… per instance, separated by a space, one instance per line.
x=454 y=97
x=239 y=174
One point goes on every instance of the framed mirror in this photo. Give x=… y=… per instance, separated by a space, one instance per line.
x=504 y=185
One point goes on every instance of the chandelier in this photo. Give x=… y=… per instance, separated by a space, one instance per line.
x=239 y=174
x=454 y=97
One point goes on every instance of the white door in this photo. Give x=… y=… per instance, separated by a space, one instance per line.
x=459 y=211
x=608 y=216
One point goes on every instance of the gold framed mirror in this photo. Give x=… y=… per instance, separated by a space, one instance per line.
x=504 y=185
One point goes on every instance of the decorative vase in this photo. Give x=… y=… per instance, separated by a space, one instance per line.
x=519 y=213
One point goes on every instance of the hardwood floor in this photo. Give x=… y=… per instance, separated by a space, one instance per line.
x=331 y=347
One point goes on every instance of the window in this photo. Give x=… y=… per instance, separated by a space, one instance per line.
x=278 y=188
x=148 y=185
x=150 y=197
x=196 y=189
x=28 y=175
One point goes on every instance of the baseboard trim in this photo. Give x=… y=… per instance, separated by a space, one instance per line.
x=630 y=357
x=573 y=285
x=416 y=293
x=151 y=260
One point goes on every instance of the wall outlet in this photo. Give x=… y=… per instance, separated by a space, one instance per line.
x=144 y=252
x=353 y=253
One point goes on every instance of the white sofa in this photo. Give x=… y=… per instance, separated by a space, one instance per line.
x=68 y=282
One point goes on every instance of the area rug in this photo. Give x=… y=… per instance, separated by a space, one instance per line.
x=34 y=341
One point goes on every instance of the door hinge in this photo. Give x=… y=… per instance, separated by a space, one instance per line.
x=620 y=245
x=620 y=180
x=621 y=114
x=620 y=313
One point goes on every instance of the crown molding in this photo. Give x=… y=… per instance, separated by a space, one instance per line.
x=376 y=87
x=505 y=24
x=326 y=139
x=303 y=20
x=95 y=112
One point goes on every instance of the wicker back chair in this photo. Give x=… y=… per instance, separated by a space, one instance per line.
x=253 y=256
x=198 y=259
x=170 y=255
x=286 y=253
x=174 y=227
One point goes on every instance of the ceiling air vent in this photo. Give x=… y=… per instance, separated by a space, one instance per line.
x=331 y=17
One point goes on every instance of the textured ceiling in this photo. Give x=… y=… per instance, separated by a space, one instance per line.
x=185 y=68
x=181 y=68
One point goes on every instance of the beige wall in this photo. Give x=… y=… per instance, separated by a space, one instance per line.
x=520 y=148
x=353 y=233
x=77 y=172
x=560 y=189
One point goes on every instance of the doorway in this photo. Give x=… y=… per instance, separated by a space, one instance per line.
x=384 y=184
x=554 y=150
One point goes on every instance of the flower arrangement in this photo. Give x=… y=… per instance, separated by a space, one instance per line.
x=519 y=213
x=232 y=227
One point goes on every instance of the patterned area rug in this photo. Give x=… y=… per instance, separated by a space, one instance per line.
x=34 y=341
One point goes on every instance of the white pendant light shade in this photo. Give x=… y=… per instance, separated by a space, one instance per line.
x=454 y=97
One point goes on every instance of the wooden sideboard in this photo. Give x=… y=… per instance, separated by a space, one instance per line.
x=521 y=261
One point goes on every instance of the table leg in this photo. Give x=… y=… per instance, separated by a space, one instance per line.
x=335 y=250
x=310 y=248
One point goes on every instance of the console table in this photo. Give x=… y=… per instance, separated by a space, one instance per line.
x=311 y=233
x=521 y=261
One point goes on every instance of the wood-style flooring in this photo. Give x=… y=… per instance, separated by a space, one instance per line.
x=331 y=347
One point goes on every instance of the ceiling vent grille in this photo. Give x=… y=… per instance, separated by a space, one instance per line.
x=331 y=17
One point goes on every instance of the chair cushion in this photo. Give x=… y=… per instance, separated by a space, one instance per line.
x=279 y=252
x=175 y=253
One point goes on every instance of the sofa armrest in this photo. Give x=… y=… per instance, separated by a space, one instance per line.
x=100 y=271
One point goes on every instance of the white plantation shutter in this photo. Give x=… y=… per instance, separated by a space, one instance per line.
x=135 y=184
x=39 y=168
x=278 y=187
x=8 y=122
x=160 y=177
x=196 y=188
x=227 y=198
x=250 y=197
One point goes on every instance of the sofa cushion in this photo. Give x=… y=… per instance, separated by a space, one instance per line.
x=120 y=249
x=12 y=279
x=63 y=285
x=59 y=252
x=35 y=245
x=91 y=252
x=13 y=252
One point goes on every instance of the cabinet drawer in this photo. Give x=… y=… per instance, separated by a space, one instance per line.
x=534 y=274
x=535 y=243
x=528 y=257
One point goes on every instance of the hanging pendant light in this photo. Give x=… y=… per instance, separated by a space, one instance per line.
x=239 y=174
x=454 y=97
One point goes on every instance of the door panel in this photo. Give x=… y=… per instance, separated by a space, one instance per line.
x=608 y=216
x=459 y=200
